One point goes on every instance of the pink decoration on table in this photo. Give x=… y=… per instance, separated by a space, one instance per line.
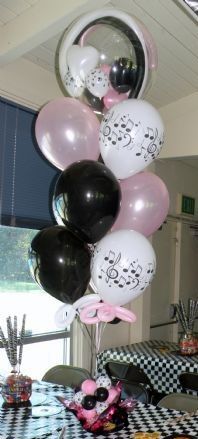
x=89 y=414
x=114 y=395
x=106 y=313
x=110 y=414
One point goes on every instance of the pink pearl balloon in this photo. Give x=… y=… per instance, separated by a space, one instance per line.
x=87 y=33
x=88 y=387
x=145 y=203
x=67 y=131
x=113 y=395
x=105 y=68
x=113 y=97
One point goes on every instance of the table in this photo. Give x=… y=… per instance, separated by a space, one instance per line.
x=25 y=422
x=158 y=359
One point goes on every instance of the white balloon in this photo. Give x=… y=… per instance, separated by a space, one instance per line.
x=131 y=137
x=101 y=407
x=97 y=82
x=86 y=300
x=65 y=315
x=78 y=397
x=122 y=266
x=104 y=381
x=81 y=60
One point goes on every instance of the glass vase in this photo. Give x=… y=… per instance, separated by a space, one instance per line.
x=16 y=388
x=188 y=343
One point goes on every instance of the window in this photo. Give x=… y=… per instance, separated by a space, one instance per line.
x=26 y=186
x=19 y=294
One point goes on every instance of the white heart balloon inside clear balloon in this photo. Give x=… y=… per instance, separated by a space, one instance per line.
x=81 y=60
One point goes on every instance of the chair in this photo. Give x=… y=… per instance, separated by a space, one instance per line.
x=179 y=401
x=130 y=374
x=189 y=381
x=136 y=391
x=66 y=375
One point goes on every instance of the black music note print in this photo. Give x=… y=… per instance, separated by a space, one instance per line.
x=109 y=270
x=118 y=121
x=113 y=138
x=132 y=282
x=112 y=272
x=124 y=122
x=134 y=268
x=148 y=148
x=120 y=282
x=151 y=148
x=149 y=134
x=150 y=268
x=106 y=131
x=110 y=257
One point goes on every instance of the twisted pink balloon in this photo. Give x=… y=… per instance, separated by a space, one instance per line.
x=106 y=313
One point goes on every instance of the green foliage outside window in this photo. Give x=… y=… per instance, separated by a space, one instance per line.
x=14 y=270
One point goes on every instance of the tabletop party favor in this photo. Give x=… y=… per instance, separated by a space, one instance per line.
x=98 y=405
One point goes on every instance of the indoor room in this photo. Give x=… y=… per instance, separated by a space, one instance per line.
x=99 y=218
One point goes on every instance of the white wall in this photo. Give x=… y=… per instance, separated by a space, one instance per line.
x=181 y=127
x=176 y=249
x=125 y=333
x=25 y=83
x=180 y=178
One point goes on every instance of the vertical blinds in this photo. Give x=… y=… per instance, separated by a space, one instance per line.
x=27 y=179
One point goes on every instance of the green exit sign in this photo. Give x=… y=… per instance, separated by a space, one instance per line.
x=187 y=205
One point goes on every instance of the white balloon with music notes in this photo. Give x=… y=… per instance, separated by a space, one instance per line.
x=122 y=266
x=131 y=137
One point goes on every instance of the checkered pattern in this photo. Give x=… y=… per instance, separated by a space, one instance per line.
x=20 y=423
x=163 y=368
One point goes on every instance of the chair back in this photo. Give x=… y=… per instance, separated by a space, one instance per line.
x=66 y=375
x=136 y=391
x=179 y=401
x=189 y=381
x=127 y=371
x=133 y=379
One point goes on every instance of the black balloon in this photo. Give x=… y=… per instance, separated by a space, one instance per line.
x=60 y=263
x=87 y=199
x=122 y=75
x=95 y=102
x=101 y=394
x=115 y=321
x=89 y=402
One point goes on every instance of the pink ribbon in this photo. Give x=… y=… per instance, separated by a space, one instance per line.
x=105 y=312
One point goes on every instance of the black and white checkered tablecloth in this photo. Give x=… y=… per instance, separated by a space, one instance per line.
x=25 y=422
x=162 y=366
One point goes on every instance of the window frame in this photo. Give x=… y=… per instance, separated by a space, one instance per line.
x=23 y=221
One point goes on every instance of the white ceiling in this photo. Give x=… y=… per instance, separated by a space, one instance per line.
x=174 y=29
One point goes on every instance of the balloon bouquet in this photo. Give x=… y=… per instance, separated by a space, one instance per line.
x=104 y=211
